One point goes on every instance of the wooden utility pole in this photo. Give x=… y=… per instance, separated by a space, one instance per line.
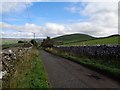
x=34 y=36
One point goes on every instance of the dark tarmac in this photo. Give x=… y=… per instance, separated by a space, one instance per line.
x=63 y=73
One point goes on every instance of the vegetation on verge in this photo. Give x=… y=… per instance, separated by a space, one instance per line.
x=29 y=72
x=98 y=65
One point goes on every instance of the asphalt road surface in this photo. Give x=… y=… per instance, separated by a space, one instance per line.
x=63 y=73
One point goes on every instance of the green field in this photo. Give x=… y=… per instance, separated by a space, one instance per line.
x=109 y=41
x=83 y=39
x=11 y=42
x=8 y=41
x=4 y=42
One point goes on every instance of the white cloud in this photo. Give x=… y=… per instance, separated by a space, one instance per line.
x=92 y=29
x=100 y=7
x=7 y=7
x=17 y=34
x=25 y=28
x=59 y=0
x=103 y=18
x=72 y=9
x=103 y=21
x=106 y=20
x=53 y=29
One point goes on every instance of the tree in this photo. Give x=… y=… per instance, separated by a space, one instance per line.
x=33 y=41
x=47 y=42
x=20 y=41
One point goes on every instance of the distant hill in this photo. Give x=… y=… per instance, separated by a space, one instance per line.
x=6 y=41
x=73 y=38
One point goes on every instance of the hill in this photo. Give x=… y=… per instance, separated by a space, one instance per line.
x=83 y=39
x=72 y=38
x=111 y=40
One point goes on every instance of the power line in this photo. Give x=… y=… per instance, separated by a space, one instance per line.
x=29 y=18
x=34 y=36
x=28 y=13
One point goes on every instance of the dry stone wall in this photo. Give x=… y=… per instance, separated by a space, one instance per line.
x=99 y=52
x=9 y=59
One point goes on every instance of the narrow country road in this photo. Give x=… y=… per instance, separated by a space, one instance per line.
x=63 y=73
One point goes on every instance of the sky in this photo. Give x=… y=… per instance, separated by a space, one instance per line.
x=22 y=19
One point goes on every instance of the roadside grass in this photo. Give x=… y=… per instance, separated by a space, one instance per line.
x=110 y=40
x=111 y=70
x=29 y=72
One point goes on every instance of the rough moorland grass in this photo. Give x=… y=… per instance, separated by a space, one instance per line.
x=109 y=40
x=29 y=72
x=104 y=68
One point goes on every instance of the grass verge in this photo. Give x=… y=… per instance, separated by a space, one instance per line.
x=104 y=68
x=29 y=72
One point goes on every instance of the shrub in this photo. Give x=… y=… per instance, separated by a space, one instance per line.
x=47 y=43
x=33 y=41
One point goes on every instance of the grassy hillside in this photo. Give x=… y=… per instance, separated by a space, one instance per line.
x=114 y=39
x=73 y=38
